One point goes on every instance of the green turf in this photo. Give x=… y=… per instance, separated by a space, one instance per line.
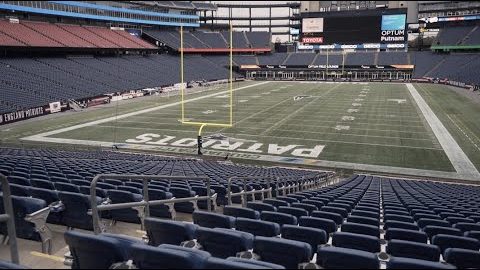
x=459 y=114
x=383 y=131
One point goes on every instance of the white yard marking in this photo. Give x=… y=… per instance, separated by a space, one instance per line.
x=356 y=104
x=466 y=135
x=399 y=101
x=352 y=110
x=41 y=137
x=348 y=118
x=243 y=100
x=340 y=127
x=454 y=152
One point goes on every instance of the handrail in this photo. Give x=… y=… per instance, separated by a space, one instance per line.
x=145 y=202
x=245 y=179
x=8 y=218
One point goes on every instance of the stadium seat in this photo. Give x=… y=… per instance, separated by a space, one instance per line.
x=361 y=229
x=423 y=222
x=444 y=241
x=42 y=184
x=465 y=227
x=168 y=257
x=314 y=237
x=313 y=202
x=18 y=180
x=327 y=225
x=407 y=249
x=288 y=253
x=401 y=218
x=185 y=207
x=257 y=227
x=162 y=211
x=365 y=214
x=337 y=218
x=224 y=243
x=97 y=251
x=431 y=231
x=408 y=263
x=125 y=215
x=19 y=190
x=296 y=212
x=260 y=207
x=76 y=210
x=276 y=203
x=238 y=263
x=50 y=197
x=462 y=258
x=240 y=212
x=473 y=234
x=161 y=231
x=337 y=210
x=307 y=207
x=279 y=218
x=364 y=220
x=356 y=241
x=343 y=258
x=289 y=200
x=67 y=187
x=407 y=235
x=400 y=225
x=213 y=220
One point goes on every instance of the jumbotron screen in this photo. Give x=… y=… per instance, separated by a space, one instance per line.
x=354 y=29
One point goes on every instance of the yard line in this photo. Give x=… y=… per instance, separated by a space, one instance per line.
x=454 y=152
x=296 y=111
x=61 y=140
x=39 y=137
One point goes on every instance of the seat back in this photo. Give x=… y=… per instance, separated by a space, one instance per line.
x=279 y=218
x=240 y=212
x=356 y=241
x=42 y=184
x=408 y=263
x=224 y=243
x=257 y=227
x=462 y=258
x=260 y=207
x=168 y=257
x=407 y=249
x=161 y=231
x=93 y=251
x=314 y=237
x=288 y=253
x=444 y=241
x=212 y=220
x=126 y=215
x=327 y=225
x=343 y=258
x=76 y=210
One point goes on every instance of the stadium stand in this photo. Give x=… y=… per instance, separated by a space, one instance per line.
x=453 y=35
x=355 y=239
x=43 y=34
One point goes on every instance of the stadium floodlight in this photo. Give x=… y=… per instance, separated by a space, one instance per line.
x=201 y=125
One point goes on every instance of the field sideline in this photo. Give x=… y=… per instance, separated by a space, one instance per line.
x=340 y=124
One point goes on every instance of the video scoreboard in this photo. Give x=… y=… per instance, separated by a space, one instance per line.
x=374 y=27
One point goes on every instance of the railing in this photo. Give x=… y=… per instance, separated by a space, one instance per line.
x=306 y=182
x=143 y=207
x=8 y=217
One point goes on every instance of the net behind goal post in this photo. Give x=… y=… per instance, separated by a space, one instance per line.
x=214 y=112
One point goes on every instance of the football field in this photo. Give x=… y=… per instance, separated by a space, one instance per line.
x=389 y=126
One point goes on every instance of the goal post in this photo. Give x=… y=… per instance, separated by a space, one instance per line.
x=202 y=124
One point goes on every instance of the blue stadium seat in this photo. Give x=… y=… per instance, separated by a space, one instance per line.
x=97 y=251
x=356 y=241
x=280 y=218
x=288 y=253
x=213 y=220
x=260 y=207
x=161 y=231
x=307 y=207
x=276 y=203
x=473 y=234
x=327 y=225
x=365 y=214
x=240 y=212
x=257 y=227
x=314 y=237
x=185 y=207
x=465 y=227
x=343 y=258
x=67 y=187
x=286 y=199
x=364 y=220
x=296 y=212
x=337 y=218
x=126 y=215
x=217 y=263
x=159 y=210
x=50 y=197
x=313 y=202
x=408 y=263
x=415 y=250
x=444 y=241
x=361 y=229
x=408 y=235
x=42 y=184
x=402 y=218
x=18 y=180
x=330 y=209
x=19 y=190
x=462 y=258
x=76 y=210
x=400 y=225
x=168 y=257
x=224 y=243
x=423 y=222
x=431 y=231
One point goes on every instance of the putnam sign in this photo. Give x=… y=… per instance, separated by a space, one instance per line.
x=238 y=146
